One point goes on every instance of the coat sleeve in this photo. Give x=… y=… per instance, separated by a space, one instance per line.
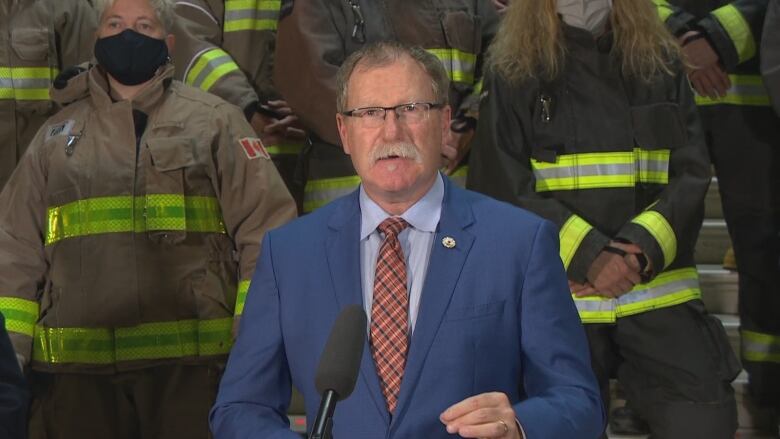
x=252 y=195
x=200 y=60
x=770 y=53
x=255 y=391
x=13 y=391
x=75 y=24
x=672 y=221
x=563 y=400
x=309 y=51
x=23 y=265
x=500 y=166
x=734 y=29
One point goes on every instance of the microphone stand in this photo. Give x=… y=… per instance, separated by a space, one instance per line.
x=323 y=424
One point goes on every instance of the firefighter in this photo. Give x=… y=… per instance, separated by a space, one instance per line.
x=722 y=41
x=38 y=38
x=128 y=236
x=316 y=36
x=226 y=47
x=588 y=121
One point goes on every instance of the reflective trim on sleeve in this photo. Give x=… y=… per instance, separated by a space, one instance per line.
x=760 y=348
x=243 y=289
x=20 y=315
x=148 y=341
x=26 y=83
x=598 y=170
x=664 y=9
x=460 y=65
x=209 y=67
x=571 y=235
x=667 y=289
x=243 y=15
x=738 y=30
x=125 y=214
x=657 y=225
x=284 y=149
x=321 y=192
x=744 y=90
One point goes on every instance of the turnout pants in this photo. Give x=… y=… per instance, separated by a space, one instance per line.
x=744 y=143
x=676 y=367
x=160 y=402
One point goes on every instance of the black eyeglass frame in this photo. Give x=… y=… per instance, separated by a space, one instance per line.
x=431 y=106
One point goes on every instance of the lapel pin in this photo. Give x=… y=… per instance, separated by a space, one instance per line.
x=448 y=242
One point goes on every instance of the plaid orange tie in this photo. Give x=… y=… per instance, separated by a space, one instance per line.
x=390 y=312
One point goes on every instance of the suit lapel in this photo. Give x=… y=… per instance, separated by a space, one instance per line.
x=343 y=253
x=444 y=269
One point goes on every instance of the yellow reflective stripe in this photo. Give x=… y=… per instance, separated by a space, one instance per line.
x=20 y=314
x=738 y=30
x=572 y=233
x=148 y=341
x=243 y=289
x=657 y=225
x=667 y=289
x=321 y=192
x=284 y=149
x=744 y=90
x=664 y=9
x=459 y=176
x=459 y=65
x=210 y=67
x=124 y=214
x=602 y=170
x=478 y=87
x=26 y=83
x=758 y=347
x=258 y=15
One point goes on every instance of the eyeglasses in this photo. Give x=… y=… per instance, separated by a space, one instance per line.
x=410 y=114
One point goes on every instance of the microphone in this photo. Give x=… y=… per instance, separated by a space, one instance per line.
x=339 y=365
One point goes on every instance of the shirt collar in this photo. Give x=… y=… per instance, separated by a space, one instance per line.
x=424 y=215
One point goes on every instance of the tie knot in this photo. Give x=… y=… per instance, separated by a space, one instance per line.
x=393 y=225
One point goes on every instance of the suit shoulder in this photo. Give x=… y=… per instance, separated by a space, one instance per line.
x=312 y=225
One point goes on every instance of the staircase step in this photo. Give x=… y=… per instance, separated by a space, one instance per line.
x=712 y=204
x=719 y=289
x=713 y=242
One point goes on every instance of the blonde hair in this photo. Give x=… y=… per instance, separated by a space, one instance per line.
x=529 y=43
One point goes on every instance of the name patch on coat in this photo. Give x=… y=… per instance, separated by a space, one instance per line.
x=253 y=148
x=59 y=129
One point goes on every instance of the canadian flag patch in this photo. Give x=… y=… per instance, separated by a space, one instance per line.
x=253 y=148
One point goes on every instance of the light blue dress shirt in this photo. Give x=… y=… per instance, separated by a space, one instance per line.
x=416 y=242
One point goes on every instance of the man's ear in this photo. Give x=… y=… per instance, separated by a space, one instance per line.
x=341 y=123
x=170 y=41
x=446 y=119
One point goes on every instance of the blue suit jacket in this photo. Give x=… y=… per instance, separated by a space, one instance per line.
x=495 y=315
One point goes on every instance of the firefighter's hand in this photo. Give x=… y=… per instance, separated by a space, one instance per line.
x=501 y=5
x=697 y=51
x=712 y=82
x=488 y=415
x=582 y=290
x=611 y=275
x=455 y=147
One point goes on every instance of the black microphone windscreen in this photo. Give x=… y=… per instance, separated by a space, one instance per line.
x=340 y=360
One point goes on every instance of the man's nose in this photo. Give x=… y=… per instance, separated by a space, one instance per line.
x=391 y=128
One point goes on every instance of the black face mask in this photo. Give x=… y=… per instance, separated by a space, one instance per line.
x=131 y=58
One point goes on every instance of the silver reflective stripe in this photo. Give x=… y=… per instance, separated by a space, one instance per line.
x=590 y=306
x=755 y=346
x=25 y=83
x=654 y=166
x=649 y=294
x=255 y=14
x=583 y=171
x=212 y=65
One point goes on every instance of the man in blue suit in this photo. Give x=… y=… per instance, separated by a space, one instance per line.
x=14 y=396
x=484 y=339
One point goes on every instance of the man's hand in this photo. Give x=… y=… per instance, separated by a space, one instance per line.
x=488 y=415
x=265 y=124
x=611 y=275
x=456 y=145
x=712 y=82
x=698 y=51
x=582 y=290
x=501 y=5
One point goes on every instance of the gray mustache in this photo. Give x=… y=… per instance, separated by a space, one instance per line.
x=400 y=149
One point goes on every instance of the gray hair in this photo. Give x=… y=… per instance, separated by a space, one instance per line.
x=162 y=8
x=384 y=53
